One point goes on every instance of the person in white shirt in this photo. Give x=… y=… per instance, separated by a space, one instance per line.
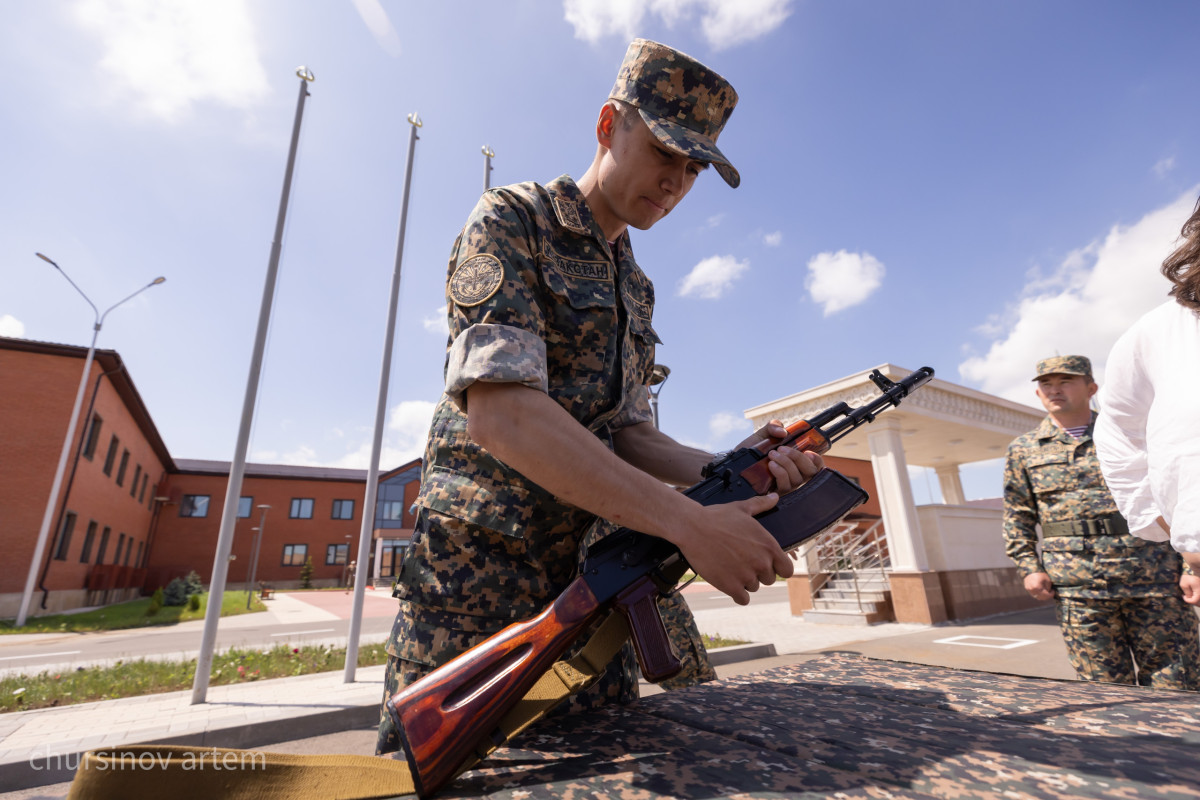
x=1148 y=431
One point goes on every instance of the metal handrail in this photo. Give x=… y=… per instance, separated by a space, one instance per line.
x=844 y=549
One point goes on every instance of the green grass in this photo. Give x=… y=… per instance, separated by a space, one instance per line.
x=717 y=640
x=131 y=614
x=136 y=678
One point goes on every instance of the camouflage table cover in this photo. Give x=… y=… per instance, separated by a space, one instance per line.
x=845 y=726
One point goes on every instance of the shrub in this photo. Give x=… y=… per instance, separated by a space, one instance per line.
x=194 y=586
x=306 y=572
x=176 y=593
x=193 y=602
x=157 y=597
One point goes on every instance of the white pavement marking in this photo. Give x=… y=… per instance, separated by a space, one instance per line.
x=302 y=633
x=962 y=640
x=43 y=655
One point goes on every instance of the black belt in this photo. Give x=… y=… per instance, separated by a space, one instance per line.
x=1114 y=525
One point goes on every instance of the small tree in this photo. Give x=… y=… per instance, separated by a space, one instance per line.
x=176 y=593
x=306 y=572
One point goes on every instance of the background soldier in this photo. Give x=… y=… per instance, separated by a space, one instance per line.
x=545 y=429
x=1117 y=597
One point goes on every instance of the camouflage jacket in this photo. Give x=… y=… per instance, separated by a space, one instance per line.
x=1052 y=477
x=535 y=296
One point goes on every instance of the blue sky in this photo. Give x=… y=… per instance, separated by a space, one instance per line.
x=967 y=185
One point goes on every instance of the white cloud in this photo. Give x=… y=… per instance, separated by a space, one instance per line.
x=1097 y=292
x=376 y=19
x=172 y=55
x=436 y=322
x=724 y=23
x=773 y=239
x=11 y=326
x=404 y=436
x=841 y=280
x=715 y=220
x=729 y=428
x=1164 y=166
x=712 y=277
x=734 y=22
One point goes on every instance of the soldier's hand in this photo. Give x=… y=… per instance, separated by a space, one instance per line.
x=790 y=467
x=729 y=548
x=1190 y=584
x=1039 y=586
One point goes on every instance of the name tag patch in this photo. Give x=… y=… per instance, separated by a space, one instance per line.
x=591 y=270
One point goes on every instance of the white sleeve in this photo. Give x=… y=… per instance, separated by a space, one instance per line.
x=1120 y=435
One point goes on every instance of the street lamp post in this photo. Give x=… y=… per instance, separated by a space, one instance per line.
x=52 y=502
x=488 y=154
x=262 y=525
x=658 y=376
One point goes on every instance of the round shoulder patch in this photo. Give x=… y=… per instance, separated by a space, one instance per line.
x=476 y=279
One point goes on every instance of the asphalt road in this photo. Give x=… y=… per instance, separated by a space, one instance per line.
x=68 y=651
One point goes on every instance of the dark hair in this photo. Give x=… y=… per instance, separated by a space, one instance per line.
x=1182 y=268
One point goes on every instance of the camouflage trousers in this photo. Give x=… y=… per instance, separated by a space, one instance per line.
x=1146 y=641
x=421 y=640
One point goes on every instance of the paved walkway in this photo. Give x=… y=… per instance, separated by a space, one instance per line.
x=42 y=747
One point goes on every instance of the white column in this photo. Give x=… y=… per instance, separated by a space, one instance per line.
x=896 y=497
x=378 y=559
x=951 y=484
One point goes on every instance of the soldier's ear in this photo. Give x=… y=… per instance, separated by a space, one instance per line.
x=606 y=124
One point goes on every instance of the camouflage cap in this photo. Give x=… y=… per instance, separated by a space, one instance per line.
x=684 y=103
x=1064 y=365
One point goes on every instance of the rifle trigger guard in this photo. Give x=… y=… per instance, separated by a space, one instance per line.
x=674 y=590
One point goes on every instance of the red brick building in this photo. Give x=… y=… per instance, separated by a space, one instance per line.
x=129 y=516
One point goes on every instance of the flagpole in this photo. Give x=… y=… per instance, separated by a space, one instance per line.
x=368 y=512
x=237 y=467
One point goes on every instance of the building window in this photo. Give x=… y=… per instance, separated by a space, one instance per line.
x=111 y=458
x=245 y=506
x=138 y=563
x=302 y=508
x=103 y=545
x=120 y=547
x=128 y=552
x=137 y=476
x=336 y=553
x=343 y=509
x=142 y=493
x=121 y=469
x=294 y=555
x=64 y=537
x=194 y=505
x=391 y=509
x=88 y=539
x=93 y=438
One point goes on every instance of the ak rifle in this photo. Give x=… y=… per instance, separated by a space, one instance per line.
x=450 y=719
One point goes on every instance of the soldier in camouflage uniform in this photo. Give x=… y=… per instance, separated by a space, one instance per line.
x=544 y=437
x=1117 y=596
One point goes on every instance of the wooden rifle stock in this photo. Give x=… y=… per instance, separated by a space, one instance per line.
x=449 y=716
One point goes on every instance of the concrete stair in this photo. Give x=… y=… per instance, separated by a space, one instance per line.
x=839 y=602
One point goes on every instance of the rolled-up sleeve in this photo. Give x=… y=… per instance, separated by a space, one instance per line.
x=495 y=313
x=495 y=354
